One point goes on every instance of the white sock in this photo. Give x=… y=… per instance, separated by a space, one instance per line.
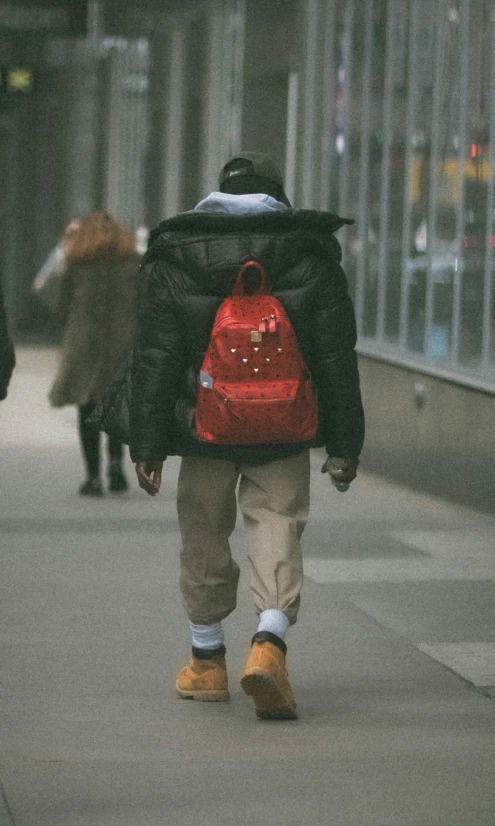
x=207 y=636
x=273 y=621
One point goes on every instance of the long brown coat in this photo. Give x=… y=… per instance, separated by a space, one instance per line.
x=99 y=302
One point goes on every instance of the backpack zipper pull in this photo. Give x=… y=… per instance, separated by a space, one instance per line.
x=272 y=324
x=230 y=409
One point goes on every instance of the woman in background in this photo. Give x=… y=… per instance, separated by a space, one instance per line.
x=98 y=302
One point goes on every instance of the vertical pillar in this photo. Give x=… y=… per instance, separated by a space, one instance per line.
x=113 y=137
x=234 y=14
x=82 y=144
x=291 y=139
x=143 y=127
x=385 y=188
x=155 y=175
x=365 y=164
x=135 y=130
x=212 y=126
x=174 y=124
x=310 y=104
x=487 y=330
x=125 y=126
x=81 y=124
x=347 y=68
x=407 y=228
x=434 y=165
x=328 y=104
x=461 y=163
x=124 y=141
x=223 y=108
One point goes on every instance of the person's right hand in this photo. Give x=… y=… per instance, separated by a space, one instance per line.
x=149 y=476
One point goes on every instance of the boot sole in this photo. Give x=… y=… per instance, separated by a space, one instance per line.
x=212 y=696
x=269 y=702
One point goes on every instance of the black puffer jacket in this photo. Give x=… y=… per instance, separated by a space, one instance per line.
x=196 y=259
x=7 y=356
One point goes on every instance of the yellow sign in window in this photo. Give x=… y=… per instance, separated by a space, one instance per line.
x=19 y=80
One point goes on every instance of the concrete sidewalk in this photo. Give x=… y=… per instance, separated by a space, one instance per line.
x=392 y=660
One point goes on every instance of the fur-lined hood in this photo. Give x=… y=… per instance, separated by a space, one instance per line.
x=300 y=223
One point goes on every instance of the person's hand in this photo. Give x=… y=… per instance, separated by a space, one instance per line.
x=341 y=471
x=149 y=476
x=3 y=393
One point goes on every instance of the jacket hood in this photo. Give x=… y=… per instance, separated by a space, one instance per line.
x=239 y=204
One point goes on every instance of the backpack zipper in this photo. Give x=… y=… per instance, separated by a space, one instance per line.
x=242 y=324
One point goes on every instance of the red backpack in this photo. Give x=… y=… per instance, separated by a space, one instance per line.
x=254 y=387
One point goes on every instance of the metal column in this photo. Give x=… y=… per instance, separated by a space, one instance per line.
x=310 y=86
x=232 y=76
x=385 y=189
x=461 y=162
x=174 y=123
x=114 y=135
x=328 y=105
x=344 y=170
x=441 y=18
x=407 y=223
x=490 y=209
x=365 y=167
x=291 y=141
x=213 y=105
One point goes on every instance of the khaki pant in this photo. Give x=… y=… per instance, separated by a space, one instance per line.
x=274 y=501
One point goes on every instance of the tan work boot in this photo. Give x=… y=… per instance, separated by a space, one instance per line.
x=265 y=680
x=204 y=679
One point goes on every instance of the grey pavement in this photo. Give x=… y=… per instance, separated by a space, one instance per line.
x=392 y=659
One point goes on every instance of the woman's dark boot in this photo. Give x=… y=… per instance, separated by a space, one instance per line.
x=117 y=480
x=92 y=487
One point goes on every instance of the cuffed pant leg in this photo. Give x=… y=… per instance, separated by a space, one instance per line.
x=206 y=505
x=274 y=500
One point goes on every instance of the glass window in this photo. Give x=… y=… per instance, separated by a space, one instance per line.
x=413 y=161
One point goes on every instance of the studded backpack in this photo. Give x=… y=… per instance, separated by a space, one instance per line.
x=254 y=386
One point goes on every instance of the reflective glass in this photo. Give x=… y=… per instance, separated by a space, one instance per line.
x=413 y=161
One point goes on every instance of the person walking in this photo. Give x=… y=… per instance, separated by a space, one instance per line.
x=194 y=261
x=98 y=303
x=7 y=353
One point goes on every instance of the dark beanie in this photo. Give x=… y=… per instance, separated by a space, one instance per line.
x=252 y=165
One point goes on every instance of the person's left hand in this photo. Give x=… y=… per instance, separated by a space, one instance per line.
x=341 y=471
x=149 y=476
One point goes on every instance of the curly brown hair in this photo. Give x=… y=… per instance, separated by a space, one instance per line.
x=99 y=236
